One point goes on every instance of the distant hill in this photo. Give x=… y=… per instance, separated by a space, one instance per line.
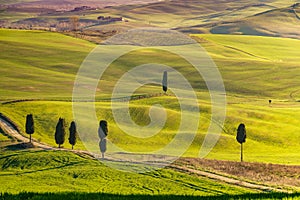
x=249 y=17
x=178 y=13
x=279 y=22
x=69 y=4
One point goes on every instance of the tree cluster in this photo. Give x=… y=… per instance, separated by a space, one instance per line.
x=60 y=131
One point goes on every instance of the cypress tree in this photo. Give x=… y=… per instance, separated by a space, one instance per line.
x=165 y=81
x=102 y=130
x=73 y=134
x=241 y=137
x=60 y=132
x=102 y=133
x=29 y=126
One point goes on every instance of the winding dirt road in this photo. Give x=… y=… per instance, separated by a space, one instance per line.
x=9 y=129
x=228 y=180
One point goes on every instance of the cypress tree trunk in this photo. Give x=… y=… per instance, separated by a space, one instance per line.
x=241 y=152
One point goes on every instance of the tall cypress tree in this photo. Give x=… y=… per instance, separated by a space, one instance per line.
x=60 y=132
x=165 y=81
x=29 y=126
x=102 y=133
x=241 y=137
x=73 y=134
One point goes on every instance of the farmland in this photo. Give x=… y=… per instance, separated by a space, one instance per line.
x=86 y=175
x=229 y=54
x=37 y=75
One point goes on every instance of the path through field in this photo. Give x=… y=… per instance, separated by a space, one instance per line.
x=9 y=129
x=228 y=179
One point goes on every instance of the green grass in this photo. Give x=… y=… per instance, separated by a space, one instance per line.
x=271 y=131
x=3 y=137
x=55 y=59
x=46 y=115
x=58 y=171
x=38 y=64
x=259 y=48
x=41 y=65
x=254 y=69
x=264 y=67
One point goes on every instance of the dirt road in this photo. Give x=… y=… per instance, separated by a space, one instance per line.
x=9 y=129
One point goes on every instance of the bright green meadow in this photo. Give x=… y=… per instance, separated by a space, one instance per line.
x=37 y=76
x=254 y=70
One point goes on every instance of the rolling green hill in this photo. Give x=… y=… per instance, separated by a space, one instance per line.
x=37 y=74
x=37 y=64
x=245 y=60
x=38 y=70
x=242 y=60
x=43 y=65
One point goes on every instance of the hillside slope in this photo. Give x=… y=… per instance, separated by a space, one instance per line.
x=254 y=17
x=46 y=67
x=58 y=171
x=242 y=60
x=279 y=22
x=67 y=4
x=183 y=15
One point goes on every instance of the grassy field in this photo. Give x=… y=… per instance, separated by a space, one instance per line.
x=56 y=62
x=61 y=175
x=3 y=137
x=52 y=57
x=41 y=67
x=277 y=146
x=242 y=60
x=58 y=171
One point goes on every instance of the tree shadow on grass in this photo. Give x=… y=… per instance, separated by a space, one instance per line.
x=103 y=196
x=19 y=146
x=11 y=162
